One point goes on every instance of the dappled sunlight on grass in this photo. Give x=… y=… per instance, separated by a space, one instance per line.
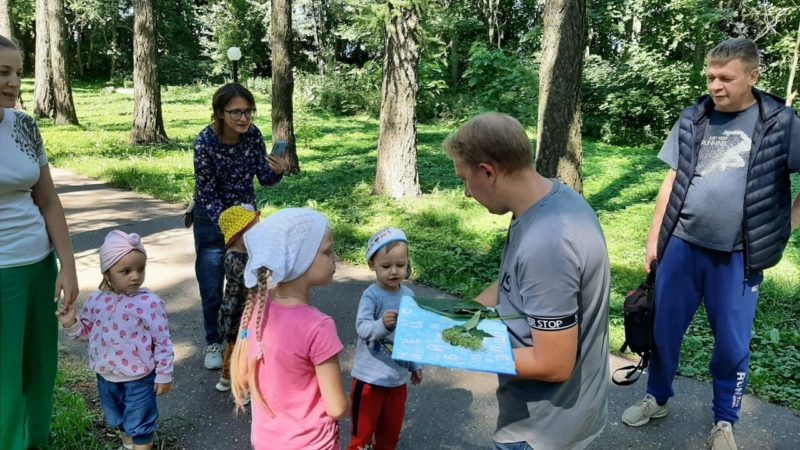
x=455 y=244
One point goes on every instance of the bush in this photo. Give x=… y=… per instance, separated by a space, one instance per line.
x=643 y=102
x=345 y=90
x=503 y=83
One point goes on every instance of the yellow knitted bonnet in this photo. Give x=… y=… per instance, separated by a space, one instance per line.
x=236 y=220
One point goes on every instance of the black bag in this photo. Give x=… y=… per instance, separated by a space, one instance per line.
x=188 y=215
x=639 y=311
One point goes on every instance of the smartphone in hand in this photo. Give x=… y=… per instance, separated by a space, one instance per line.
x=279 y=148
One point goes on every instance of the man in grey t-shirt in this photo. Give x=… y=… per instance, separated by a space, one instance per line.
x=555 y=274
x=722 y=216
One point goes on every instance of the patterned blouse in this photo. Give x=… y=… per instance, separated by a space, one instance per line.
x=224 y=173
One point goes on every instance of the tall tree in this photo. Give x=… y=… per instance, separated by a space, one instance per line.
x=5 y=19
x=396 y=174
x=44 y=104
x=148 y=124
x=790 y=92
x=59 y=53
x=283 y=80
x=559 y=129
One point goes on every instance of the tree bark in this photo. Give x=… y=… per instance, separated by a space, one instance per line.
x=396 y=175
x=148 y=124
x=319 y=10
x=44 y=105
x=5 y=19
x=59 y=53
x=559 y=129
x=790 y=92
x=283 y=81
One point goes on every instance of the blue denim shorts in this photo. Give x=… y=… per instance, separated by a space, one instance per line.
x=131 y=406
x=512 y=446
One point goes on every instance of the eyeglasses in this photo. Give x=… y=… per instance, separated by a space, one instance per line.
x=237 y=114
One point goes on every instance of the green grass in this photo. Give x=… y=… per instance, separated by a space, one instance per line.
x=455 y=243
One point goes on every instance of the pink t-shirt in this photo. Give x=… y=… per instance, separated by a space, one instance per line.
x=295 y=339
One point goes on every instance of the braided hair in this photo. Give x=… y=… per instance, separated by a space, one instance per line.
x=244 y=371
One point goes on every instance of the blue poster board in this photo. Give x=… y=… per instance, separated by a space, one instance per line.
x=418 y=338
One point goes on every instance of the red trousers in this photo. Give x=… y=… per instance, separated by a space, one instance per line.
x=376 y=412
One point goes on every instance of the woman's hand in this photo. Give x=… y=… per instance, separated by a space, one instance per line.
x=277 y=164
x=67 y=285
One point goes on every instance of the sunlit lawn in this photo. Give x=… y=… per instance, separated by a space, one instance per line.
x=455 y=243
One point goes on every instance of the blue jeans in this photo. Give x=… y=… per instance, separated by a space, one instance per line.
x=209 y=267
x=130 y=406
x=512 y=446
x=687 y=275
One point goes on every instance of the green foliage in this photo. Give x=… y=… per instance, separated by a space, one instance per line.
x=490 y=75
x=643 y=102
x=345 y=90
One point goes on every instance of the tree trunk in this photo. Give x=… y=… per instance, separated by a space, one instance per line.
x=148 y=125
x=790 y=92
x=319 y=9
x=559 y=129
x=396 y=175
x=283 y=81
x=5 y=19
x=490 y=8
x=59 y=53
x=112 y=72
x=44 y=105
x=454 y=57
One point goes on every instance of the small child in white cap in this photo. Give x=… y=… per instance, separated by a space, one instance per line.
x=129 y=343
x=233 y=222
x=379 y=382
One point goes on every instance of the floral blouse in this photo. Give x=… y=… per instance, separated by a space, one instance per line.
x=224 y=173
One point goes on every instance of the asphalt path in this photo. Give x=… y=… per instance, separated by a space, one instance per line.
x=449 y=410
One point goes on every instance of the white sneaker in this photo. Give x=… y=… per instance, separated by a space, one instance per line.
x=223 y=385
x=641 y=413
x=213 y=358
x=721 y=437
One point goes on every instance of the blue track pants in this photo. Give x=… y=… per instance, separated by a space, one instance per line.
x=686 y=275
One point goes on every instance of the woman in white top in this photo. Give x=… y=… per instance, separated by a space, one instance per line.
x=32 y=226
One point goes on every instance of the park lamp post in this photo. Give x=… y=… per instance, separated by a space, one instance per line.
x=235 y=54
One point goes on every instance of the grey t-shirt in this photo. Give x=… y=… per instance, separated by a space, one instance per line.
x=374 y=363
x=712 y=212
x=555 y=271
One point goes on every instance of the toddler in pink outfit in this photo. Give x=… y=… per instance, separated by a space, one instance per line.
x=129 y=343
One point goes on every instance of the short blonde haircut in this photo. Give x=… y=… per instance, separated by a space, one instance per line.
x=492 y=137
x=739 y=48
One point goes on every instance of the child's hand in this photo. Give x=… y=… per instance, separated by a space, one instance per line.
x=162 y=388
x=390 y=320
x=66 y=315
x=416 y=377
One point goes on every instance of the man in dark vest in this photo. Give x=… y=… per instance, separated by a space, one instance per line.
x=724 y=214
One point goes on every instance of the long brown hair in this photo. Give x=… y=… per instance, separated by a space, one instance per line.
x=244 y=371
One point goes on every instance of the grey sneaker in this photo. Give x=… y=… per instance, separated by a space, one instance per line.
x=641 y=413
x=721 y=437
x=223 y=385
x=213 y=358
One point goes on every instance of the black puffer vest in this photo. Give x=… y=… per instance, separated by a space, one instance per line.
x=767 y=199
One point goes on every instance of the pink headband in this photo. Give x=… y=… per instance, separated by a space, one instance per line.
x=116 y=246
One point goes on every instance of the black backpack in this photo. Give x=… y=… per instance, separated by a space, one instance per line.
x=639 y=311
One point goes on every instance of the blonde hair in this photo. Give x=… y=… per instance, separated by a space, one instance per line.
x=492 y=137
x=244 y=371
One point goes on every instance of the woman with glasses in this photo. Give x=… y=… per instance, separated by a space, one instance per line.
x=227 y=155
